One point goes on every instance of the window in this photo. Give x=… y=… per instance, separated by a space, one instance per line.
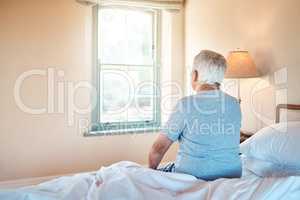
x=128 y=69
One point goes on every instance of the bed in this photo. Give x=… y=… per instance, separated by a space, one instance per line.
x=268 y=173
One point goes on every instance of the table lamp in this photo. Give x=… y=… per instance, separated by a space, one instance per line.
x=240 y=65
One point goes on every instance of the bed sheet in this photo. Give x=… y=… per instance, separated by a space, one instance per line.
x=128 y=180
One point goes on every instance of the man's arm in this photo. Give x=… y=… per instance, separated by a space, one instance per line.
x=158 y=150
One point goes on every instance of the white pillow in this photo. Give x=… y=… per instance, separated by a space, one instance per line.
x=274 y=150
x=268 y=169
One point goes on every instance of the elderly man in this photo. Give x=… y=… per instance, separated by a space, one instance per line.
x=206 y=125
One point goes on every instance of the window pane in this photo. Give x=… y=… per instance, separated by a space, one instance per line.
x=141 y=110
x=126 y=37
x=143 y=105
x=127 y=94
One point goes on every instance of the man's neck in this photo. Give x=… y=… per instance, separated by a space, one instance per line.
x=207 y=87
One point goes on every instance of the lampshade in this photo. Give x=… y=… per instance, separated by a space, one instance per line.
x=240 y=65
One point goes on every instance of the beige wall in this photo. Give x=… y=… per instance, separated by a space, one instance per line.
x=38 y=34
x=269 y=30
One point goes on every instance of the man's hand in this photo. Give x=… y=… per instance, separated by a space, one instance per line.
x=158 y=150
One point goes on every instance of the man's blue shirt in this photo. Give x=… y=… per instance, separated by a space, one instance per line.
x=207 y=127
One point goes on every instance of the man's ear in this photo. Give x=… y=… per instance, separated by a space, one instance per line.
x=194 y=76
x=194 y=80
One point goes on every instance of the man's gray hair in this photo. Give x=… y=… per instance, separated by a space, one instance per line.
x=211 y=67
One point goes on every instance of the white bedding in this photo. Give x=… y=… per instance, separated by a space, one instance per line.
x=127 y=180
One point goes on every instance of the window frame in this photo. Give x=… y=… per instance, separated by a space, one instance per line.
x=115 y=128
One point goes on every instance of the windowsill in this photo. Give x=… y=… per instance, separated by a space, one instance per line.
x=121 y=132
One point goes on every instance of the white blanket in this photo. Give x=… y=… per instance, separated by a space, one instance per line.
x=127 y=180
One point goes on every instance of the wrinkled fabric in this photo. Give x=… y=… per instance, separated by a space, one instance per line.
x=127 y=180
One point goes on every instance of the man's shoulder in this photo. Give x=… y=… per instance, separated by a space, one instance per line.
x=227 y=100
x=186 y=99
x=230 y=98
x=226 y=96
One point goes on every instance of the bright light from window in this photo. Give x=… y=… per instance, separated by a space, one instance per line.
x=127 y=62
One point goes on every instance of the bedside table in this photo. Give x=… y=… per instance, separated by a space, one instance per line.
x=245 y=136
